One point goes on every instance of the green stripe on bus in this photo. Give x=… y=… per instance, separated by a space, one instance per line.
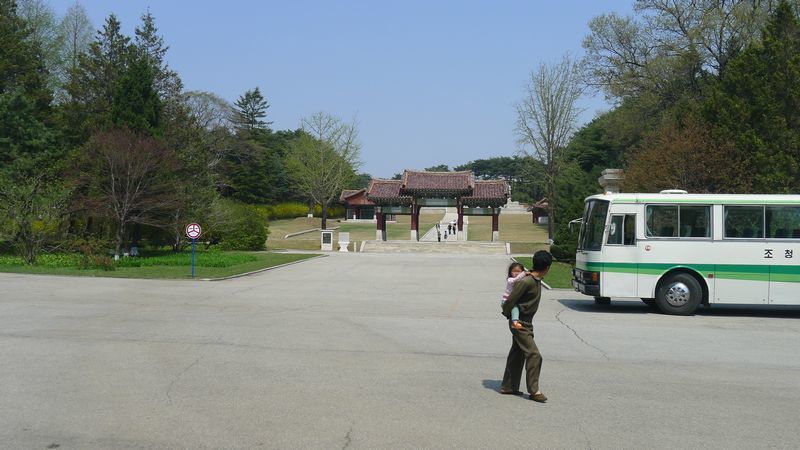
x=747 y=272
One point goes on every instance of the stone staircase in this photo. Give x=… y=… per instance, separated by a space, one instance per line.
x=458 y=247
x=514 y=208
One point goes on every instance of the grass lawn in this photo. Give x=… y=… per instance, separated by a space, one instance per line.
x=358 y=231
x=560 y=276
x=513 y=228
x=212 y=264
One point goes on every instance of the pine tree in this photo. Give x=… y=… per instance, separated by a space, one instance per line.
x=21 y=65
x=251 y=108
x=136 y=104
x=93 y=86
x=757 y=106
x=151 y=45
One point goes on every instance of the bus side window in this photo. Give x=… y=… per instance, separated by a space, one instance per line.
x=615 y=230
x=630 y=230
x=744 y=222
x=662 y=220
x=783 y=222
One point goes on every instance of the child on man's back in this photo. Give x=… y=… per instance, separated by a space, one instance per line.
x=516 y=272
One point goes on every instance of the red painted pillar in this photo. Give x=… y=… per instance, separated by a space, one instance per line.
x=414 y=223
x=495 y=227
x=380 y=232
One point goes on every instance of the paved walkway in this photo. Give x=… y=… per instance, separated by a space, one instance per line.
x=450 y=216
x=378 y=351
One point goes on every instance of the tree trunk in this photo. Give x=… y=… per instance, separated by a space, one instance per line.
x=176 y=243
x=120 y=235
x=324 y=216
x=551 y=187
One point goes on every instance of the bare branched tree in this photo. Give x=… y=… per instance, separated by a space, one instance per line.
x=547 y=117
x=669 y=41
x=324 y=159
x=127 y=178
x=77 y=30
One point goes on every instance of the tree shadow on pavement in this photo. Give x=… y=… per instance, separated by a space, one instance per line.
x=726 y=310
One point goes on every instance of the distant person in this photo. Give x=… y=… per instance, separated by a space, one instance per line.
x=516 y=272
x=445 y=235
x=526 y=296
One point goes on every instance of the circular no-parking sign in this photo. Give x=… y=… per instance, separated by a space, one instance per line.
x=193 y=230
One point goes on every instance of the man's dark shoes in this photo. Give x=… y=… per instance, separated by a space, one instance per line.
x=538 y=397
x=511 y=392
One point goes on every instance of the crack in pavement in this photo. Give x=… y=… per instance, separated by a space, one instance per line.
x=602 y=352
x=348 y=438
x=178 y=376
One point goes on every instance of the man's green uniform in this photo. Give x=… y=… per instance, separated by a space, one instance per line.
x=526 y=295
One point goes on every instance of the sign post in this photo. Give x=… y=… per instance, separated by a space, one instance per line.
x=193 y=231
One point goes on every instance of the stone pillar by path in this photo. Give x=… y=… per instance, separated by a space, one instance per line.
x=495 y=227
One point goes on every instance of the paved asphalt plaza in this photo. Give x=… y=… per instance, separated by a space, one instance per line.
x=379 y=351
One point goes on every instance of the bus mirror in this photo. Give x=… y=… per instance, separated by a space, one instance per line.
x=577 y=221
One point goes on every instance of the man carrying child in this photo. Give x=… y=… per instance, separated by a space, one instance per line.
x=525 y=295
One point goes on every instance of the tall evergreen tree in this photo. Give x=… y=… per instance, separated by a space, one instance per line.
x=21 y=64
x=151 y=45
x=757 y=105
x=251 y=108
x=136 y=104
x=93 y=86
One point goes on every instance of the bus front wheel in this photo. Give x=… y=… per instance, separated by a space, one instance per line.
x=680 y=294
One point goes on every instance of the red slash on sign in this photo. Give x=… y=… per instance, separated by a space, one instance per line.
x=193 y=230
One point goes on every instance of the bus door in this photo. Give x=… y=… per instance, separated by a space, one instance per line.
x=620 y=254
x=742 y=275
x=782 y=253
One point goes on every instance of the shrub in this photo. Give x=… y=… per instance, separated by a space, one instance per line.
x=285 y=210
x=291 y=210
x=91 y=255
x=334 y=212
x=562 y=253
x=244 y=228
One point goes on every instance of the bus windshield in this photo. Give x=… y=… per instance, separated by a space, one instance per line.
x=594 y=222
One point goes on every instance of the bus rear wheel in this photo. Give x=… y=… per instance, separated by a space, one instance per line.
x=679 y=294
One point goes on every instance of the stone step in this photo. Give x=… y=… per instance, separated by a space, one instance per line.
x=459 y=247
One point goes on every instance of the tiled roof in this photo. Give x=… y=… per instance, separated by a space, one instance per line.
x=387 y=191
x=443 y=182
x=483 y=193
x=488 y=193
x=490 y=189
x=348 y=193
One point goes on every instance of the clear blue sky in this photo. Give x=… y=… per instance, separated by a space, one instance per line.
x=430 y=82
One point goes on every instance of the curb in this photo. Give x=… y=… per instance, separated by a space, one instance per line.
x=230 y=277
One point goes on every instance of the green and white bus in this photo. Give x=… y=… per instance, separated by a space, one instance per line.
x=677 y=251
